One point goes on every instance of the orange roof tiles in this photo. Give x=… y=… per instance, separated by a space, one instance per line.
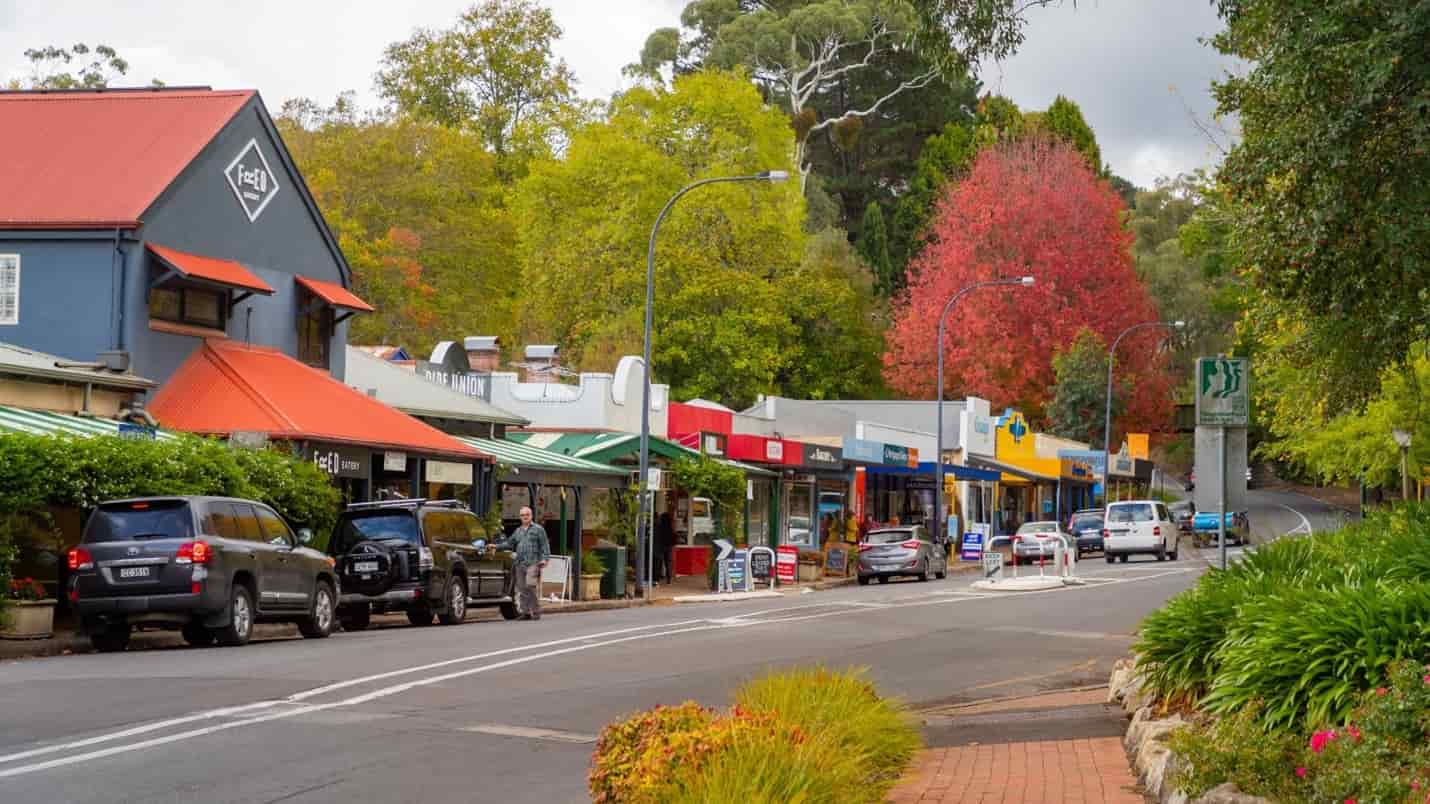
x=213 y=269
x=336 y=295
x=76 y=159
x=227 y=386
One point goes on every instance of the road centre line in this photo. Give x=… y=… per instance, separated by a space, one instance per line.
x=301 y=709
x=306 y=694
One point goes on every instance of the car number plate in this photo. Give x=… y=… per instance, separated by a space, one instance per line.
x=134 y=572
x=364 y=566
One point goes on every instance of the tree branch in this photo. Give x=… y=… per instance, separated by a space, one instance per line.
x=915 y=83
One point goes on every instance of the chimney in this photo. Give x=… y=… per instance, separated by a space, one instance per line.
x=483 y=353
x=540 y=363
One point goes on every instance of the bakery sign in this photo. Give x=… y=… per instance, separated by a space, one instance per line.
x=252 y=180
x=341 y=461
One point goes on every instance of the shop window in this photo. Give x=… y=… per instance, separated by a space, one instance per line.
x=9 y=289
x=189 y=304
x=315 y=331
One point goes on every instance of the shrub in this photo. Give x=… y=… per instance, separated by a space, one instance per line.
x=591 y=564
x=1236 y=749
x=631 y=754
x=845 y=710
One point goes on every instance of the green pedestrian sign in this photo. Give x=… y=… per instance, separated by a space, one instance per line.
x=1223 y=392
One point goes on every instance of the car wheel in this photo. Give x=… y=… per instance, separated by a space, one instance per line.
x=923 y=575
x=883 y=579
x=319 y=623
x=197 y=635
x=943 y=573
x=456 y=610
x=420 y=615
x=1122 y=558
x=1175 y=547
x=112 y=639
x=1110 y=557
x=240 y=619
x=1162 y=552
x=863 y=580
x=509 y=611
x=355 y=618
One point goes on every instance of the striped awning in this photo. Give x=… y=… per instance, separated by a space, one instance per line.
x=527 y=457
x=43 y=422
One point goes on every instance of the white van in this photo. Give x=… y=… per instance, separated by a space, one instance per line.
x=1139 y=526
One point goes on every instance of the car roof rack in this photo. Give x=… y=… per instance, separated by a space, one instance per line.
x=407 y=502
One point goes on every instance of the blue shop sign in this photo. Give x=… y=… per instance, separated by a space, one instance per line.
x=862 y=451
x=972 y=547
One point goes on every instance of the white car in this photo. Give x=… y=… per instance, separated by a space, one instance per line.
x=1139 y=526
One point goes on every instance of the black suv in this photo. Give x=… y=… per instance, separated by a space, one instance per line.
x=209 y=566
x=425 y=557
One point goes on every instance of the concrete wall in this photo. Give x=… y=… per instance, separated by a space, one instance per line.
x=976 y=429
x=597 y=402
x=68 y=292
x=925 y=443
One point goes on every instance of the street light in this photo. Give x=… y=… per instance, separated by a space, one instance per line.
x=766 y=175
x=1402 y=439
x=1107 y=420
x=1023 y=281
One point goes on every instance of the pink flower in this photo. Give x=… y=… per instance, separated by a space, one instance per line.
x=1415 y=785
x=1427 y=678
x=1320 y=739
x=1300 y=773
x=1380 y=691
x=1353 y=732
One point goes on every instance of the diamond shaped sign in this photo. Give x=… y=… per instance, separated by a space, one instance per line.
x=252 y=181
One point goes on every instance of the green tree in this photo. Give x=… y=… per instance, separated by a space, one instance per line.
x=1331 y=179
x=51 y=67
x=874 y=248
x=420 y=213
x=1063 y=119
x=1079 y=397
x=494 y=72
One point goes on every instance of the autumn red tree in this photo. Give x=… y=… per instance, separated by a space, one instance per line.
x=1031 y=207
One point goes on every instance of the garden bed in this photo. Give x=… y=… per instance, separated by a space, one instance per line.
x=1301 y=671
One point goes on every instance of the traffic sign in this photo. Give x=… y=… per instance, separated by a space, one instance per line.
x=725 y=549
x=1223 y=392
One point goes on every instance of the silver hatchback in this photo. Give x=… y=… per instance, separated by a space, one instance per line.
x=901 y=551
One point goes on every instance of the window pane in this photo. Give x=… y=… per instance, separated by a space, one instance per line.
x=248 y=528
x=274 y=529
x=203 y=307
x=164 y=304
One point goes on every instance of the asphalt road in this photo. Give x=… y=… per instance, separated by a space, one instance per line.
x=505 y=711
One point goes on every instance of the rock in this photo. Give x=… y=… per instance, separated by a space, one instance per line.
x=1124 y=672
x=1154 y=763
x=1227 y=793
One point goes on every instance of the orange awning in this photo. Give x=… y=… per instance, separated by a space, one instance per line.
x=210 y=269
x=336 y=295
x=226 y=387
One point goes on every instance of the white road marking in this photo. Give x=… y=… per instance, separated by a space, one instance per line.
x=530 y=733
x=292 y=705
x=1305 y=523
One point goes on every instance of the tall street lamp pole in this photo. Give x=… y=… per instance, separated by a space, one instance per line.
x=1107 y=419
x=942 y=519
x=642 y=582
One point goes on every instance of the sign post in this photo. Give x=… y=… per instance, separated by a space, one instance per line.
x=1224 y=402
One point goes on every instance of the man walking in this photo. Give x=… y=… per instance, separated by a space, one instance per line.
x=532 y=549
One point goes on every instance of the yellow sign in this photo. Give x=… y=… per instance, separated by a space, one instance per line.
x=1016 y=446
x=1137 y=445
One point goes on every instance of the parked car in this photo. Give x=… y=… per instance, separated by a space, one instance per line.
x=1238 y=528
x=1139 y=526
x=1182 y=512
x=888 y=553
x=1037 y=541
x=427 y=558
x=208 y=566
x=1086 y=527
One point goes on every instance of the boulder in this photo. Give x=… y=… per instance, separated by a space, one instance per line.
x=1227 y=793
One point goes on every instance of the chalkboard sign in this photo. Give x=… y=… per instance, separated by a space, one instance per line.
x=760 y=565
x=836 y=560
x=735 y=568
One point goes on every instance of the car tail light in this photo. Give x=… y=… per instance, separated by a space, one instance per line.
x=197 y=587
x=1156 y=530
x=80 y=559
x=912 y=544
x=864 y=548
x=1106 y=534
x=194 y=553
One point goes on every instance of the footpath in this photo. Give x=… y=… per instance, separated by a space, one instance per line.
x=1054 y=747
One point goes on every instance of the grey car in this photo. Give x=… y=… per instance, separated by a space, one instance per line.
x=902 y=551
x=1035 y=542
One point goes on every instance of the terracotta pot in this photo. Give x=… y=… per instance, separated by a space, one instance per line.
x=809 y=571
x=591 y=587
x=30 y=619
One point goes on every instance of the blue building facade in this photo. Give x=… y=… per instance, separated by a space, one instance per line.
x=239 y=203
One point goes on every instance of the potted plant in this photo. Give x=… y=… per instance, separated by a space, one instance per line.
x=811 y=565
x=31 y=613
x=592 y=570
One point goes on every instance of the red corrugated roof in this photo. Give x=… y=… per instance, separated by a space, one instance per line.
x=227 y=386
x=336 y=295
x=213 y=269
x=75 y=159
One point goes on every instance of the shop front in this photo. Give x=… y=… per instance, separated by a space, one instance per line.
x=1122 y=476
x=1028 y=485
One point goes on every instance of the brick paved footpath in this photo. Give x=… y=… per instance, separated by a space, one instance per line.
x=1077 y=770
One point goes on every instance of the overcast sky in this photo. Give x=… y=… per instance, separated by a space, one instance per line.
x=1118 y=59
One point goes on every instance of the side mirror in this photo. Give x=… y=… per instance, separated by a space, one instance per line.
x=305 y=535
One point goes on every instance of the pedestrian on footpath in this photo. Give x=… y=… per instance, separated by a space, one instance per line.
x=532 y=549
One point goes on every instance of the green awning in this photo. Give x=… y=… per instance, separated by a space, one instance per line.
x=43 y=422
x=523 y=456
x=609 y=447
